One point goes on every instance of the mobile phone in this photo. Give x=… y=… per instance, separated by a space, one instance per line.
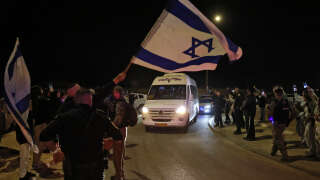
x=305 y=85
x=51 y=87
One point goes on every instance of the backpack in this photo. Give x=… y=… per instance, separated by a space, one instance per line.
x=131 y=116
x=284 y=112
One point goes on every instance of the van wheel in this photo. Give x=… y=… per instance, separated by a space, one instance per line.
x=194 y=120
x=185 y=128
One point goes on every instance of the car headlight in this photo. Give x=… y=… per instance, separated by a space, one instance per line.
x=145 y=110
x=207 y=106
x=181 y=110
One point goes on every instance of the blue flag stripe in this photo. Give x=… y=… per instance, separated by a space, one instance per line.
x=232 y=46
x=15 y=113
x=23 y=104
x=13 y=62
x=186 y=15
x=168 y=64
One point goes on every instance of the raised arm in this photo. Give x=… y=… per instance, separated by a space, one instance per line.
x=102 y=92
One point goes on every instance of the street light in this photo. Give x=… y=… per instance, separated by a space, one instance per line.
x=217 y=18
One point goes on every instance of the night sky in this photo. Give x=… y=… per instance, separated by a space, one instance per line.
x=91 y=42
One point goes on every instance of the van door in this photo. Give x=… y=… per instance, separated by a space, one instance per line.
x=189 y=102
x=196 y=100
x=192 y=103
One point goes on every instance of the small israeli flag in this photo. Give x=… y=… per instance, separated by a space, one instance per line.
x=17 y=87
x=183 y=39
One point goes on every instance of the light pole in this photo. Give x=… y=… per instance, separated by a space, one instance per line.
x=207 y=78
x=217 y=18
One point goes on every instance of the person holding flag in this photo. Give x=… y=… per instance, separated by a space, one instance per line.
x=17 y=88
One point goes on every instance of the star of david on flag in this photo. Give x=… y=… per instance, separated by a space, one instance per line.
x=17 y=88
x=195 y=44
x=183 y=39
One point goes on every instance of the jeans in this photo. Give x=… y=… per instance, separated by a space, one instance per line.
x=251 y=132
x=218 y=119
x=238 y=120
x=75 y=171
x=262 y=113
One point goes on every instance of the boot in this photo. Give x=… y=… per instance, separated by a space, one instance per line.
x=274 y=150
x=28 y=176
x=284 y=153
x=310 y=154
x=285 y=158
x=237 y=132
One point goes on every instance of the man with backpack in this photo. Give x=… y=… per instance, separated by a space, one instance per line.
x=281 y=113
x=83 y=156
x=81 y=132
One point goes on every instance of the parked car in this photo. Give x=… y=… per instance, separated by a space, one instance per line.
x=206 y=104
x=138 y=99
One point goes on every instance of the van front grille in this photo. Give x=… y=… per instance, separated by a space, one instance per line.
x=161 y=120
x=166 y=114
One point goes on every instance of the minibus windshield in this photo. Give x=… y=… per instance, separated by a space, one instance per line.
x=167 y=92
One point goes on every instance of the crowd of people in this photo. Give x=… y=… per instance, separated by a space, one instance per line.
x=81 y=128
x=303 y=107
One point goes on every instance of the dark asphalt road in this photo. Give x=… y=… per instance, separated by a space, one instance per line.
x=196 y=155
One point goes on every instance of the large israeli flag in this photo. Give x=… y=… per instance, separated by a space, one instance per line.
x=17 y=87
x=183 y=39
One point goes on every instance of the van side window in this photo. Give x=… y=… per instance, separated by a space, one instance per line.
x=188 y=92
x=195 y=92
x=192 y=91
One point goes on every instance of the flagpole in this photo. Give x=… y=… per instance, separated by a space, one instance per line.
x=129 y=65
x=207 y=78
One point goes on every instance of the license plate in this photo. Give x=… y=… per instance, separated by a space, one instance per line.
x=161 y=124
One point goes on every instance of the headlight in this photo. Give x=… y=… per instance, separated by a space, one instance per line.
x=145 y=110
x=207 y=106
x=181 y=110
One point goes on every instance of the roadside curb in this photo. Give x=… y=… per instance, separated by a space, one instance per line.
x=264 y=154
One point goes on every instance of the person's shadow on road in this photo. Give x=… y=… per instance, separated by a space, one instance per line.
x=301 y=157
x=263 y=137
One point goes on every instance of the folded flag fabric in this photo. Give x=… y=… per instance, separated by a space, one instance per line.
x=17 y=87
